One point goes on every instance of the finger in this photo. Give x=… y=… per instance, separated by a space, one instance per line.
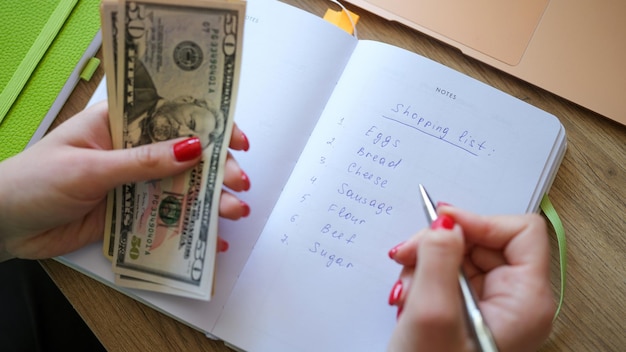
x=522 y=238
x=222 y=245
x=486 y=259
x=399 y=290
x=88 y=129
x=234 y=177
x=231 y=207
x=146 y=162
x=475 y=276
x=405 y=253
x=433 y=301
x=440 y=255
x=239 y=140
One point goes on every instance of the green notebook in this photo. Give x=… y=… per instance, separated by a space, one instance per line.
x=46 y=45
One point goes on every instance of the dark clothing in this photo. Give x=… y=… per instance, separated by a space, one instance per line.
x=35 y=315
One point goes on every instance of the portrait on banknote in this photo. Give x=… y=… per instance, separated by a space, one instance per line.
x=154 y=118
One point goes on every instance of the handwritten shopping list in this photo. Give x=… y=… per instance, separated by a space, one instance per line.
x=353 y=195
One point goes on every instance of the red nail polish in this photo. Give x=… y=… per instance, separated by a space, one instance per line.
x=188 y=149
x=396 y=291
x=246 y=145
x=443 y=222
x=246 y=181
x=246 y=209
x=394 y=250
x=222 y=245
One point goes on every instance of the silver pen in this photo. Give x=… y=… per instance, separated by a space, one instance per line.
x=479 y=329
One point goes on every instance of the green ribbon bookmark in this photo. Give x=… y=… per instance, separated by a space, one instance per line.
x=557 y=225
x=90 y=68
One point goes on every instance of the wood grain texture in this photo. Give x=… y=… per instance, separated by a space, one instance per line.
x=589 y=193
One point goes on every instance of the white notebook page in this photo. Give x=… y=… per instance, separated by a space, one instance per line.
x=319 y=277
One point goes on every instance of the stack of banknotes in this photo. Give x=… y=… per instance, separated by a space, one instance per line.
x=172 y=69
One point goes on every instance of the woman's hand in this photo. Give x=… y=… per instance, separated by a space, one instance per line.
x=506 y=259
x=53 y=195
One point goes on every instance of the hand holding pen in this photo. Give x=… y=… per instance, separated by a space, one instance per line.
x=506 y=261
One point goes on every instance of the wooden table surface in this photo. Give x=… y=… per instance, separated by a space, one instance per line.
x=589 y=194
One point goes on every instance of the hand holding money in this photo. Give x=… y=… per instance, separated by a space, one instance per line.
x=172 y=71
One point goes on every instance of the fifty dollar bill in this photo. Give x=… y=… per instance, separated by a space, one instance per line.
x=177 y=71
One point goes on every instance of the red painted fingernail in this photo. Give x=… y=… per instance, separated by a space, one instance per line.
x=222 y=245
x=246 y=145
x=246 y=209
x=394 y=250
x=188 y=149
x=246 y=181
x=396 y=291
x=443 y=222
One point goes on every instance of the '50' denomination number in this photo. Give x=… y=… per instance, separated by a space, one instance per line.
x=135 y=26
x=230 y=29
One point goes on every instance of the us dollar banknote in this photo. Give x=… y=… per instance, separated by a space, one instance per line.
x=177 y=69
x=108 y=19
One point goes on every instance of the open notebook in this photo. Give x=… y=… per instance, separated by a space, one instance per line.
x=342 y=132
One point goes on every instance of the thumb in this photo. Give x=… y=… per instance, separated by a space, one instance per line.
x=151 y=161
x=434 y=298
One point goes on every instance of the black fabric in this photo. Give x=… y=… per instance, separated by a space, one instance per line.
x=35 y=315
